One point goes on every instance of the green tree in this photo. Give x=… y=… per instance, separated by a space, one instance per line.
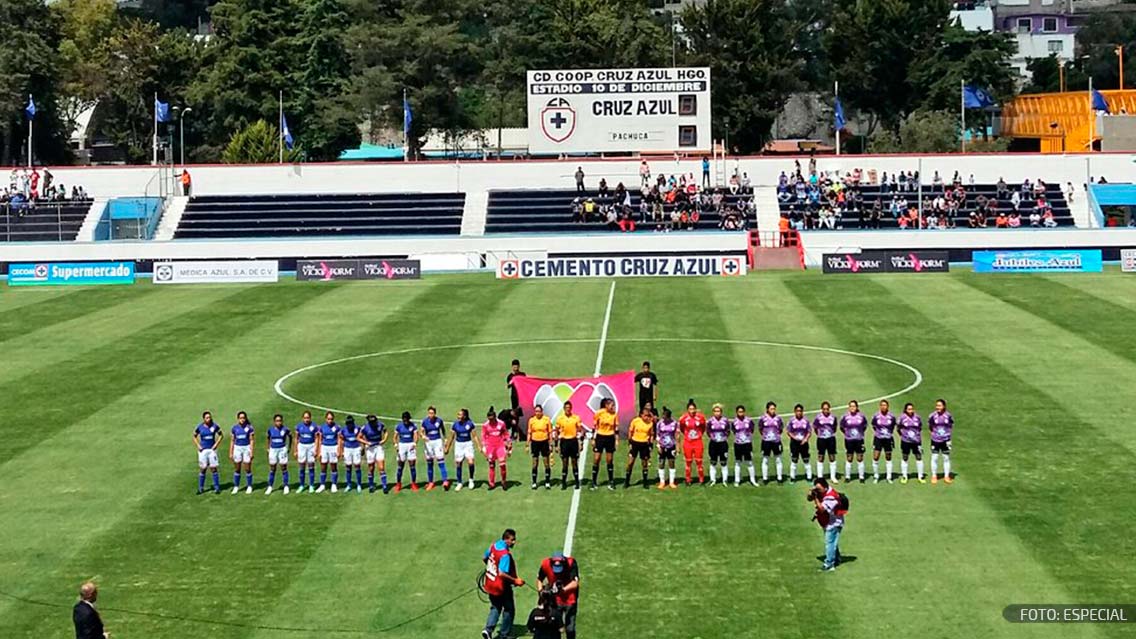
x=874 y=47
x=1096 y=49
x=978 y=58
x=749 y=47
x=29 y=64
x=920 y=132
x=257 y=143
x=324 y=111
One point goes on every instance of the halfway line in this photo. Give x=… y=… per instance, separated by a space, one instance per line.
x=574 y=511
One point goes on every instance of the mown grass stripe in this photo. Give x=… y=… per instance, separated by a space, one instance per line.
x=19 y=320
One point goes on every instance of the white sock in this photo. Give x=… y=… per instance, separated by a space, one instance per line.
x=778 y=469
x=737 y=472
x=820 y=468
x=752 y=476
x=888 y=464
x=919 y=467
x=847 y=470
x=713 y=473
x=662 y=475
x=764 y=469
x=876 y=468
x=672 y=473
x=725 y=473
x=808 y=470
x=831 y=469
x=903 y=468
x=792 y=470
x=934 y=464
x=860 y=467
x=946 y=466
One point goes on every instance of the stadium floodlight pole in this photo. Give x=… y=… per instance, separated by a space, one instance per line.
x=31 y=132
x=181 y=135
x=836 y=94
x=280 y=126
x=155 y=161
x=962 y=112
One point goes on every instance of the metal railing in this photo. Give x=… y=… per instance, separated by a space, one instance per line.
x=42 y=222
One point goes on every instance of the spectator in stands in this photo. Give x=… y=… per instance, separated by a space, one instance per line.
x=645 y=210
x=579 y=179
x=620 y=194
x=1039 y=188
x=604 y=191
x=827 y=217
x=644 y=173
x=1003 y=189
x=1027 y=187
x=1015 y=220
x=1034 y=218
x=577 y=209
x=747 y=185
x=610 y=216
x=937 y=182
x=1047 y=219
x=626 y=219
x=1069 y=192
x=1016 y=200
x=186 y=183
x=913 y=180
x=589 y=209
x=970 y=180
x=705 y=172
x=902 y=181
x=1001 y=221
x=931 y=219
x=884 y=186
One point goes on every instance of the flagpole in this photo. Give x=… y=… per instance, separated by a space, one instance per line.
x=280 y=127
x=155 y=107
x=405 y=133
x=962 y=113
x=836 y=93
x=31 y=133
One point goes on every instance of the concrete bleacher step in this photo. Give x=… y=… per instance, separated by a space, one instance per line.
x=91 y=221
x=767 y=206
x=171 y=218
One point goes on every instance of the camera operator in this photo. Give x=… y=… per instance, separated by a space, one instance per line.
x=560 y=575
x=545 y=621
x=831 y=508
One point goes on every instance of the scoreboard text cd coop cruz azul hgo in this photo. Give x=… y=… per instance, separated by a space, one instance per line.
x=611 y=110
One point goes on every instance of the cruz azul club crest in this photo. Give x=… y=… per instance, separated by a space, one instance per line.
x=558 y=120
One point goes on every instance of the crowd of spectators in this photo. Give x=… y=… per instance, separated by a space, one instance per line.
x=821 y=200
x=665 y=203
x=29 y=187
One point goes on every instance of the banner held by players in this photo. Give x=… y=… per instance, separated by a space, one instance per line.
x=585 y=393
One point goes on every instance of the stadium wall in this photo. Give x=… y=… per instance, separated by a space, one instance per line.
x=480 y=176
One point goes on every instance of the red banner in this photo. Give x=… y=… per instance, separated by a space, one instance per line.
x=585 y=393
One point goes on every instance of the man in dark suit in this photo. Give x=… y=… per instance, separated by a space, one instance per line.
x=88 y=624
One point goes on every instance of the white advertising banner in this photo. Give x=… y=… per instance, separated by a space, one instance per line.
x=630 y=266
x=217 y=272
x=1128 y=260
x=609 y=110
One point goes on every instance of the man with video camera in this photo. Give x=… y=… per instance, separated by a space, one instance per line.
x=831 y=507
x=560 y=577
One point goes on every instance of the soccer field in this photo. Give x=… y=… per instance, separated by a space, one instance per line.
x=101 y=388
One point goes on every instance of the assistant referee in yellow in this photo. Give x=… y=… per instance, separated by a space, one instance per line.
x=641 y=435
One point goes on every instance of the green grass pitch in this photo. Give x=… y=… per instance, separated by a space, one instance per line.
x=101 y=387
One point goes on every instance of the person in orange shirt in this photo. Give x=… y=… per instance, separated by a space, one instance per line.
x=641 y=435
x=693 y=425
x=186 y=183
x=539 y=444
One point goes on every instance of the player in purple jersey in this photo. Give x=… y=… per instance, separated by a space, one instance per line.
x=911 y=441
x=770 y=426
x=942 y=424
x=853 y=425
x=718 y=430
x=824 y=426
x=883 y=439
x=666 y=439
x=799 y=432
x=743 y=428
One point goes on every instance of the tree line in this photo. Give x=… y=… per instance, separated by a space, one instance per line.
x=343 y=65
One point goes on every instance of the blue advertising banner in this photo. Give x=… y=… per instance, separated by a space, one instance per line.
x=70 y=273
x=1048 y=261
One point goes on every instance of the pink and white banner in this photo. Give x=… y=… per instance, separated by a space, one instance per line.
x=584 y=393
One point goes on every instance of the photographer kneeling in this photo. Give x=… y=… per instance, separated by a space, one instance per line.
x=831 y=507
x=560 y=577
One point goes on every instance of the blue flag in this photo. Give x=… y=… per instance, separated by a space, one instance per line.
x=31 y=108
x=1098 y=102
x=286 y=132
x=161 y=110
x=838 y=116
x=976 y=98
x=407 y=116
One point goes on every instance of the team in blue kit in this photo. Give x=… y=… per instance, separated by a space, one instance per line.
x=330 y=444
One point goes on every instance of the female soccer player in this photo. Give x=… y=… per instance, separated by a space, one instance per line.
x=743 y=428
x=307 y=435
x=771 y=426
x=693 y=425
x=434 y=432
x=374 y=437
x=883 y=438
x=718 y=429
x=279 y=437
x=607 y=438
x=463 y=439
x=498 y=443
x=853 y=425
x=799 y=432
x=539 y=444
x=824 y=426
x=329 y=450
x=640 y=435
x=942 y=425
x=666 y=434
x=406 y=435
x=240 y=451
x=352 y=453
x=911 y=441
x=206 y=438
x=567 y=434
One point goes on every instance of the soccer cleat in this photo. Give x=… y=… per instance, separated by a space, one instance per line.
x=592 y=486
x=922 y=481
x=674 y=486
x=414 y=486
x=248 y=491
x=547 y=485
x=321 y=488
x=471 y=484
x=754 y=482
x=611 y=486
x=285 y=489
x=446 y=485
x=268 y=491
x=948 y=479
x=236 y=489
x=662 y=486
x=216 y=491
x=200 y=491
x=485 y=635
x=713 y=482
x=875 y=480
x=533 y=485
x=891 y=481
x=398 y=488
x=903 y=480
x=934 y=479
x=334 y=488
x=430 y=486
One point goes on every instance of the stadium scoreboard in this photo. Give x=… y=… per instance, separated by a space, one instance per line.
x=619 y=110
